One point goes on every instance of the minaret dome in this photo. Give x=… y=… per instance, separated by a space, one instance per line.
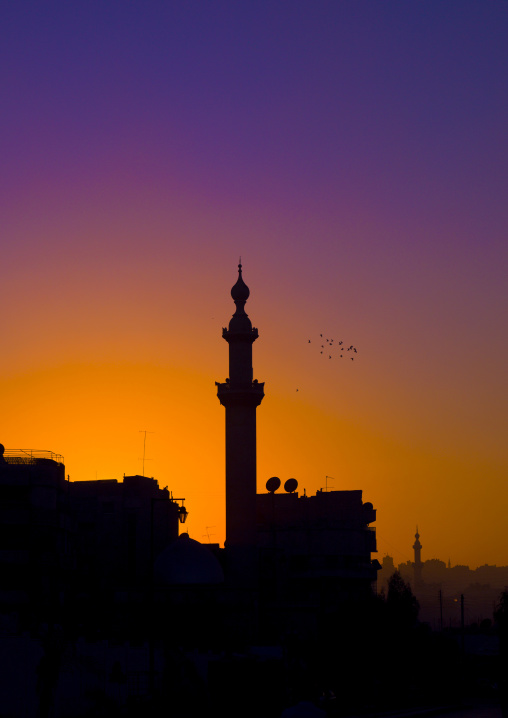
x=240 y=291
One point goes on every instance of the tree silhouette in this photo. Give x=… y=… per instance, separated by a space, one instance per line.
x=501 y=617
x=401 y=603
x=501 y=612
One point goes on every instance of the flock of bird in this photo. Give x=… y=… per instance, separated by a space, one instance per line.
x=332 y=349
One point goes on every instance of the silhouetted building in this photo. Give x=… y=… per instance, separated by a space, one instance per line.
x=59 y=538
x=315 y=552
x=121 y=527
x=36 y=556
x=187 y=562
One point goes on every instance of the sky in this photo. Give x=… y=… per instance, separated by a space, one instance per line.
x=355 y=155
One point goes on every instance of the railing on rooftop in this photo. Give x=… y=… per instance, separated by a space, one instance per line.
x=30 y=456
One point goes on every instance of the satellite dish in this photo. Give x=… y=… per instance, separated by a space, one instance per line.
x=273 y=484
x=291 y=485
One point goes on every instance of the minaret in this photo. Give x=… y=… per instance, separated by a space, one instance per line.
x=241 y=395
x=418 y=559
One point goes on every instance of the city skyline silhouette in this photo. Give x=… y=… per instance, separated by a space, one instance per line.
x=314 y=526
x=254 y=626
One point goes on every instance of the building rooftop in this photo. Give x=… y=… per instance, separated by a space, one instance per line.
x=28 y=456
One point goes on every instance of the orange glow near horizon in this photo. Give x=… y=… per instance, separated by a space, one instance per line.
x=93 y=414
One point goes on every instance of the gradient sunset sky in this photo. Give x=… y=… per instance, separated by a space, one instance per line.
x=355 y=154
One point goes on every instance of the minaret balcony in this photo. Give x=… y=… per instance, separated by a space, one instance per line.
x=245 y=395
x=247 y=335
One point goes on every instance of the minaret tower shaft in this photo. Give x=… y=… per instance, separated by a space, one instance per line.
x=240 y=394
x=418 y=558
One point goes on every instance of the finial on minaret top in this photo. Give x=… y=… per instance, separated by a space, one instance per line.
x=417 y=535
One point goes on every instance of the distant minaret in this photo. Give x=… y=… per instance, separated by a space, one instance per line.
x=241 y=395
x=418 y=558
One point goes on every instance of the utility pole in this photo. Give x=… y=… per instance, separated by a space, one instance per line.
x=462 y=622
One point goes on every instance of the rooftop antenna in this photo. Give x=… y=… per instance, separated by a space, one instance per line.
x=326 y=481
x=208 y=534
x=145 y=432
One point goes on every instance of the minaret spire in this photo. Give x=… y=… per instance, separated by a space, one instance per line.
x=240 y=394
